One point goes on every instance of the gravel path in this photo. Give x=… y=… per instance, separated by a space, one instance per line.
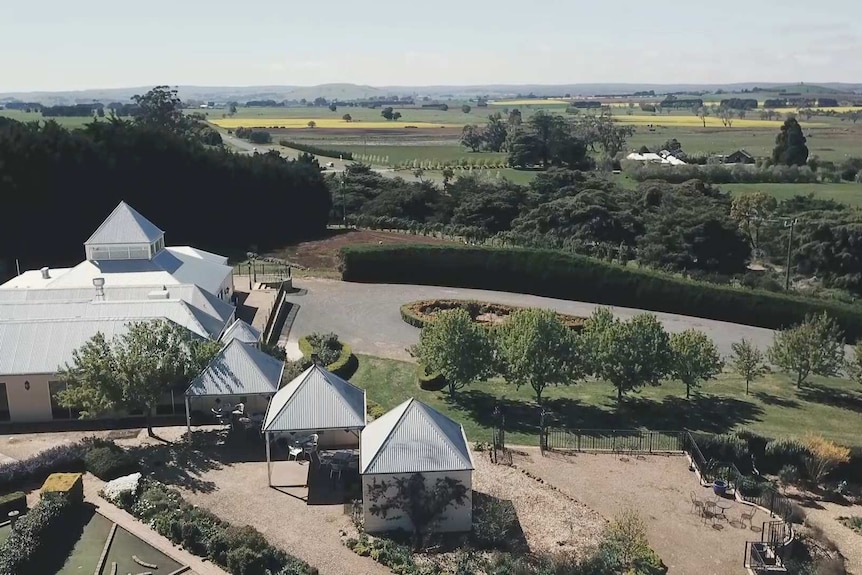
x=367 y=315
x=658 y=488
x=849 y=542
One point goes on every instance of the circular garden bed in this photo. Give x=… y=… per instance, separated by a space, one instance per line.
x=418 y=313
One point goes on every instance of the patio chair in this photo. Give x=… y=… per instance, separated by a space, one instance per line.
x=308 y=450
x=696 y=504
x=335 y=467
x=749 y=515
x=293 y=451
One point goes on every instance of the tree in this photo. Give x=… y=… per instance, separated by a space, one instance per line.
x=466 y=108
x=396 y=115
x=333 y=107
x=750 y=211
x=161 y=108
x=495 y=133
x=412 y=497
x=347 y=118
x=537 y=349
x=456 y=347
x=320 y=101
x=748 y=361
x=312 y=124
x=515 y=117
x=628 y=354
x=695 y=358
x=100 y=112
x=610 y=135
x=472 y=137
x=134 y=370
x=856 y=365
x=790 y=148
x=702 y=112
x=387 y=112
x=232 y=108
x=726 y=115
x=815 y=346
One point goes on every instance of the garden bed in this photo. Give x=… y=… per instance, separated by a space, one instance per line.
x=488 y=314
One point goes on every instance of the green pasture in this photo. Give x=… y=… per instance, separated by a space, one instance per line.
x=66 y=122
x=828 y=406
x=846 y=193
x=452 y=152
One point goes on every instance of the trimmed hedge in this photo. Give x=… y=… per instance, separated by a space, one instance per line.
x=15 y=501
x=474 y=307
x=573 y=277
x=32 y=545
x=430 y=381
x=109 y=462
x=344 y=367
x=69 y=485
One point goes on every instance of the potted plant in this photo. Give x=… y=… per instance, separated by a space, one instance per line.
x=719 y=487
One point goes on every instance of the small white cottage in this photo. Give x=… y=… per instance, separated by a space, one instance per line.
x=414 y=438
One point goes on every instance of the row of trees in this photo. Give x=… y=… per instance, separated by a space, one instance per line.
x=533 y=347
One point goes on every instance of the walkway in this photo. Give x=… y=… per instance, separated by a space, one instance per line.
x=367 y=316
x=199 y=566
x=849 y=542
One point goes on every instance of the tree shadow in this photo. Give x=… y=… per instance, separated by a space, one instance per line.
x=67 y=535
x=841 y=398
x=496 y=524
x=770 y=399
x=707 y=413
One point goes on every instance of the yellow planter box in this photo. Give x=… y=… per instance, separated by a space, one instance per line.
x=69 y=484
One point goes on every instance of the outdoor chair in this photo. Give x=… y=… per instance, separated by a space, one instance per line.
x=696 y=504
x=293 y=451
x=335 y=468
x=749 y=515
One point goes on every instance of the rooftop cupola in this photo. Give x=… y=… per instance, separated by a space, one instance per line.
x=125 y=235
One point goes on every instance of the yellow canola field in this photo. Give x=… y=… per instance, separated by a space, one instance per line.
x=289 y=123
x=711 y=122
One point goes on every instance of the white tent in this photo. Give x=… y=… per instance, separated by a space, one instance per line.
x=316 y=401
x=239 y=371
x=415 y=438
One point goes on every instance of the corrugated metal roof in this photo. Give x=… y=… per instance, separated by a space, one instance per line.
x=241 y=331
x=238 y=369
x=30 y=347
x=315 y=400
x=414 y=438
x=125 y=226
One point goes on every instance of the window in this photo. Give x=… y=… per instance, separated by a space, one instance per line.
x=57 y=410
x=4 y=403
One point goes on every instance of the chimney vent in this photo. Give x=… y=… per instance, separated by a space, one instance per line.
x=46 y=273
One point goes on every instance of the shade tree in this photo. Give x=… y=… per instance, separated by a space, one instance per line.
x=748 y=361
x=695 y=359
x=813 y=347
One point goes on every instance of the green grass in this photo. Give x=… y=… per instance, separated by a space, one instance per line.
x=395 y=155
x=66 y=122
x=775 y=407
x=847 y=193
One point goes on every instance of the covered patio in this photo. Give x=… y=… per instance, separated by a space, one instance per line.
x=312 y=429
x=235 y=387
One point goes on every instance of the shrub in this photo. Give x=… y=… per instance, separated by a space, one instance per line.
x=334 y=355
x=797 y=514
x=494 y=521
x=31 y=545
x=823 y=456
x=569 y=276
x=781 y=452
x=71 y=485
x=397 y=556
x=245 y=561
x=788 y=475
x=108 y=463
x=66 y=458
x=725 y=448
x=374 y=409
x=749 y=486
x=430 y=381
x=15 y=501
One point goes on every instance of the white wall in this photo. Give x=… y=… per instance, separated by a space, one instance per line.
x=32 y=404
x=455 y=518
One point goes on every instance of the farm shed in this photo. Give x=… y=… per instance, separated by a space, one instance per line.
x=414 y=438
x=239 y=373
x=739 y=157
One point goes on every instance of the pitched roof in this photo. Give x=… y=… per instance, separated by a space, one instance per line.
x=241 y=331
x=315 y=400
x=125 y=226
x=414 y=438
x=238 y=369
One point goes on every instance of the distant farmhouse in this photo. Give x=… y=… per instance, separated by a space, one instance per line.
x=739 y=157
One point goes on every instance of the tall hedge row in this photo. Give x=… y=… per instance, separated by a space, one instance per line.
x=572 y=277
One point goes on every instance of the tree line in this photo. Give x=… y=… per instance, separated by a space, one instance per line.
x=58 y=185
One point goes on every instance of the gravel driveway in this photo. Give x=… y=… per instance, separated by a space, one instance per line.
x=367 y=315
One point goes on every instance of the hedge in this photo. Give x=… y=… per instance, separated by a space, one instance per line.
x=33 y=544
x=15 y=501
x=69 y=485
x=344 y=367
x=430 y=381
x=317 y=150
x=109 y=462
x=572 y=277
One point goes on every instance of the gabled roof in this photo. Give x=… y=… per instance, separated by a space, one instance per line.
x=316 y=400
x=238 y=369
x=241 y=331
x=125 y=226
x=414 y=438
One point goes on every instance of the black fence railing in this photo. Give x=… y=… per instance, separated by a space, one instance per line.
x=612 y=440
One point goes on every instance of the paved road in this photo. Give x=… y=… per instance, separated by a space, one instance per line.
x=367 y=315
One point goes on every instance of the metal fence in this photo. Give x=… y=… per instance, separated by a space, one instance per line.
x=613 y=440
x=262 y=271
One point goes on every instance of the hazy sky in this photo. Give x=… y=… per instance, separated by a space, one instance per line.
x=64 y=45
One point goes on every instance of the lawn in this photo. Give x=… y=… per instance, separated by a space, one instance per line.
x=775 y=408
x=847 y=193
x=395 y=155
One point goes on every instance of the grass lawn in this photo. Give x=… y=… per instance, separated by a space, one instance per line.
x=394 y=155
x=847 y=193
x=775 y=407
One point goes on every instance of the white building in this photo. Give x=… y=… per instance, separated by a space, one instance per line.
x=129 y=275
x=415 y=438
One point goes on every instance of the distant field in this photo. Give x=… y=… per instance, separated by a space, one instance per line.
x=691 y=120
x=399 y=154
x=846 y=193
x=321 y=123
x=530 y=102
x=67 y=122
x=409 y=114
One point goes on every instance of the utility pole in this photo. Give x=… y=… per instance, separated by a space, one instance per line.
x=789 y=224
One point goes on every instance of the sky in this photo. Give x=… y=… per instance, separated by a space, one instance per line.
x=86 y=44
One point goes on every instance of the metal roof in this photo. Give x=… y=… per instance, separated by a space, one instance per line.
x=414 y=438
x=316 y=400
x=241 y=331
x=238 y=369
x=34 y=347
x=125 y=226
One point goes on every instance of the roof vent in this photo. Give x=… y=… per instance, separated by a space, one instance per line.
x=159 y=294
x=46 y=275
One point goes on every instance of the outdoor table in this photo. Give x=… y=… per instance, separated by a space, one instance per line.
x=723 y=506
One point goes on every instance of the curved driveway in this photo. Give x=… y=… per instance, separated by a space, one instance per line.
x=367 y=316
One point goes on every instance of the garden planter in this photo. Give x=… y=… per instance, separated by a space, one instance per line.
x=719 y=487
